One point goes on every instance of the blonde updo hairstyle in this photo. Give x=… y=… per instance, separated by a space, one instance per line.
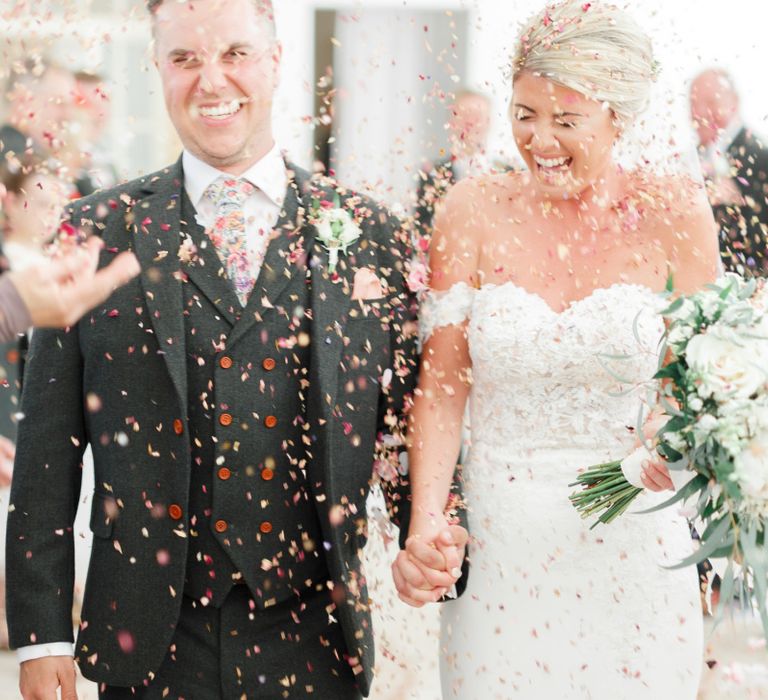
x=594 y=48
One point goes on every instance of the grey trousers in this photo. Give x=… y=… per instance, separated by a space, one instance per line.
x=239 y=652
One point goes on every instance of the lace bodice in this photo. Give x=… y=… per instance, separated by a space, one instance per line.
x=575 y=378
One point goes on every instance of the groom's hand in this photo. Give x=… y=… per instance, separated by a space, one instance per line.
x=40 y=678
x=425 y=570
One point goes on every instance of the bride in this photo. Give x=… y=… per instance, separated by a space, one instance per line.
x=539 y=281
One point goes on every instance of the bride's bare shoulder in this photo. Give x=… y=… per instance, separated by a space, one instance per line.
x=665 y=196
x=479 y=200
x=676 y=209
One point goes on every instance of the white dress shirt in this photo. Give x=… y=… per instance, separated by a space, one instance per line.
x=261 y=210
x=714 y=158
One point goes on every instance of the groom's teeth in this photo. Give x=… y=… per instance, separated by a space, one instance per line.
x=225 y=109
x=550 y=162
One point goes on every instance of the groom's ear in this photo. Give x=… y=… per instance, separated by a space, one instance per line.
x=277 y=62
x=152 y=48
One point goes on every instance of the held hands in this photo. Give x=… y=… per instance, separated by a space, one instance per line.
x=431 y=562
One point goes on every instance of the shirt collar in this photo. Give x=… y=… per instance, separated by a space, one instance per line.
x=268 y=174
x=719 y=147
x=729 y=134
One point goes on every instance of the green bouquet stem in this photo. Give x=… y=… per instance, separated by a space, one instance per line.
x=605 y=492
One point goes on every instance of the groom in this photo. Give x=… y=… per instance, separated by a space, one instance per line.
x=232 y=396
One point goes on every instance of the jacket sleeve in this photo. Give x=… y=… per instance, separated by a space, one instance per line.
x=45 y=492
x=399 y=380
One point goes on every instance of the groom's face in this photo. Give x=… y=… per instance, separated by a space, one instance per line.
x=219 y=64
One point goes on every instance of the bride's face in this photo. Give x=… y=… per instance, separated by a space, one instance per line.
x=565 y=138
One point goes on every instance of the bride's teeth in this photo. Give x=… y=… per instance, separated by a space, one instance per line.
x=550 y=162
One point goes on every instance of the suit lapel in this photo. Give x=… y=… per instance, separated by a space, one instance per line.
x=156 y=236
x=204 y=266
x=331 y=302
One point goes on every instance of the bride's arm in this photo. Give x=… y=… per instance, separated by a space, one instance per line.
x=435 y=425
x=691 y=243
x=434 y=437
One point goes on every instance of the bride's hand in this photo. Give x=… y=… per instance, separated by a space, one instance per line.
x=655 y=475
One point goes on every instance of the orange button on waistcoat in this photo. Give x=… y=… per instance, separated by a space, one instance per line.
x=178 y=427
x=175 y=512
x=225 y=419
x=225 y=362
x=266 y=527
x=269 y=364
x=267 y=474
x=221 y=526
x=224 y=474
x=270 y=422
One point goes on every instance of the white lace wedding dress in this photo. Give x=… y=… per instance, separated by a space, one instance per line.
x=554 y=610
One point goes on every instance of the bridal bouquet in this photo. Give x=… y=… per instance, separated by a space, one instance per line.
x=713 y=372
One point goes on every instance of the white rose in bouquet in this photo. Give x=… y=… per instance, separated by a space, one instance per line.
x=726 y=364
x=737 y=313
x=750 y=470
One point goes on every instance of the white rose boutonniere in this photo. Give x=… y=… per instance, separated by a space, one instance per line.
x=336 y=228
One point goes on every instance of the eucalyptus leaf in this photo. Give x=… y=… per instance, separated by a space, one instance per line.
x=720 y=537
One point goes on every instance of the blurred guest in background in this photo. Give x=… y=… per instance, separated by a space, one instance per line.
x=44 y=121
x=468 y=125
x=40 y=99
x=93 y=110
x=735 y=166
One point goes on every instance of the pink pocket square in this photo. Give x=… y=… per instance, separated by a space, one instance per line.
x=367 y=286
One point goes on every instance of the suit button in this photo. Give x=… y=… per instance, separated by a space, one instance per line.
x=265 y=527
x=221 y=526
x=267 y=474
x=178 y=427
x=225 y=362
x=225 y=419
x=224 y=474
x=269 y=364
x=270 y=422
x=175 y=512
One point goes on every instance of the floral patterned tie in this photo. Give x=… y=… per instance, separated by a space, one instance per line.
x=229 y=236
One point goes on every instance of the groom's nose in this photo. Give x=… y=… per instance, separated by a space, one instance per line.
x=212 y=77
